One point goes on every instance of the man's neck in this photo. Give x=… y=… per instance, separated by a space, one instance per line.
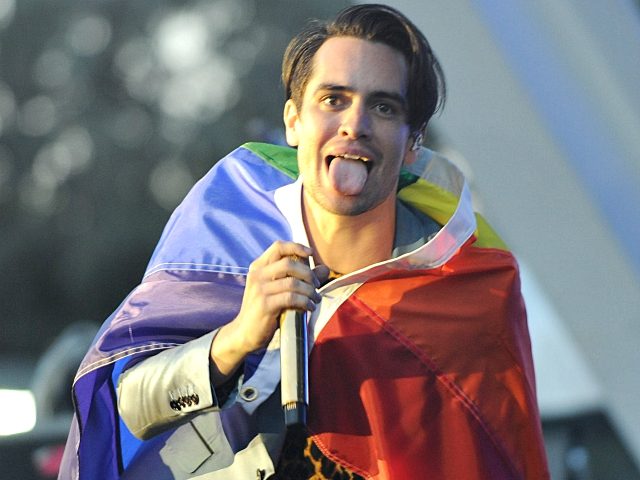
x=348 y=243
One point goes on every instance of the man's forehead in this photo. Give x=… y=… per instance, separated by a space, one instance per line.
x=359 y=65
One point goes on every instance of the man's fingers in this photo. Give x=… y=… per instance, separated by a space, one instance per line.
x=280 y=249
x=292 y=285
x=320 y=275
x=291 y=300
x=276 y=281
x=287 y=267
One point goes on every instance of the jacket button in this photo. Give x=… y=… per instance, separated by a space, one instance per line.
x=249 y=394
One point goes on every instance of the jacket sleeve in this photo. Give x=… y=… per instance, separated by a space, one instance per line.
x=172 y=386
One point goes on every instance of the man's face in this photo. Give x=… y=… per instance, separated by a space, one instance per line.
x=351 y=130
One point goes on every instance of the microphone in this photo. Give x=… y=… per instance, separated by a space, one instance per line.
x=294 y=375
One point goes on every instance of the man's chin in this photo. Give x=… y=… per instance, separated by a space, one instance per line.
x=336 y=203
x=348 y=205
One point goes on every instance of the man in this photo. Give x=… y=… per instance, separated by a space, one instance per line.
x=421 y=364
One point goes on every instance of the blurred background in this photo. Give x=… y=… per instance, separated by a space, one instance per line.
x=110 y=110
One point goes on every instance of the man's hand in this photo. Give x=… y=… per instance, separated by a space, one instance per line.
x=276 y=281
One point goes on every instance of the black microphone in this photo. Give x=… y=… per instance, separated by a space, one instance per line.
x=294 y=375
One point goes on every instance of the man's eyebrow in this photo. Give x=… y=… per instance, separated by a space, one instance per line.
x=331 y=87
x=394 y=96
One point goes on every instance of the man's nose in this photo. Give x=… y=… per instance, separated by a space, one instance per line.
x=356 y=122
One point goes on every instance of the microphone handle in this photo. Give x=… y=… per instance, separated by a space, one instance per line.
x=294 y=367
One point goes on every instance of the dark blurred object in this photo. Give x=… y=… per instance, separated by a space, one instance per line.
x=36 y=454
x=47 y=460
x=54 y=373
x=587 y=447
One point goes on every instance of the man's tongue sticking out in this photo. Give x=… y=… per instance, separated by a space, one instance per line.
x=347 y=176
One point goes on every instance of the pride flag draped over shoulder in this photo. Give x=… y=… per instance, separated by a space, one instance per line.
x=422 y=372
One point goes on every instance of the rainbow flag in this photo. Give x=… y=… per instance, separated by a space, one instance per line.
x=425 y=369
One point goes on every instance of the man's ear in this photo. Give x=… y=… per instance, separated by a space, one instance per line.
x=415 y=141
x=290 y=117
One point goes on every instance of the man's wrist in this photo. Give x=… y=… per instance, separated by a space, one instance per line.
x=227 y=353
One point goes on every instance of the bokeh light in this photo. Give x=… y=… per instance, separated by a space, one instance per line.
x=37 y=116
x=7 y=11
x=89 y=35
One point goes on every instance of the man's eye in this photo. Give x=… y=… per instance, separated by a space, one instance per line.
x=384 y=109
x=330 y=100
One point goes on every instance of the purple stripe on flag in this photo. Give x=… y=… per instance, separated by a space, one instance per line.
x=151 y=316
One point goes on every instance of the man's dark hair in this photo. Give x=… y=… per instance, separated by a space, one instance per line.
x=377 y=23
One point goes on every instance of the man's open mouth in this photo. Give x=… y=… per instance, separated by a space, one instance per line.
x=350 y=156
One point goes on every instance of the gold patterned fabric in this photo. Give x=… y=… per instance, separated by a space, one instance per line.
x=301 y=459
